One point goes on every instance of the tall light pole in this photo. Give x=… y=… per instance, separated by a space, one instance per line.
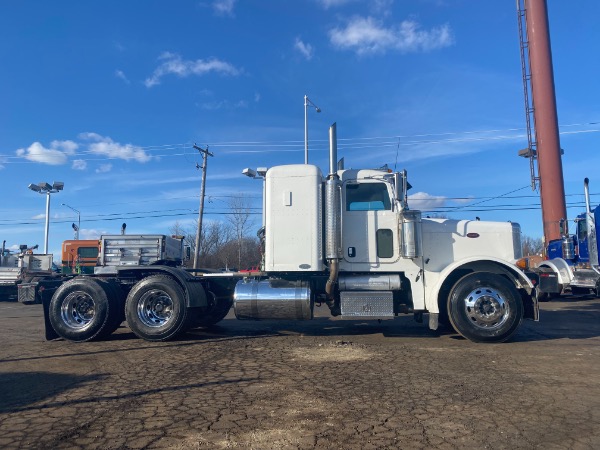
x=78 y=221
x=46 y=188
x=259 y=174
x=307 y=103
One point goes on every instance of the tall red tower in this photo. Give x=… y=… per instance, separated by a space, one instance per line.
x=545 y=146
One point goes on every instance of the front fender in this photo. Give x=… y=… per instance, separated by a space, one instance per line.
x=447 y=277
x=561 y=268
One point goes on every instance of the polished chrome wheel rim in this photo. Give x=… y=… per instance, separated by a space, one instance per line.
x=78 y=310
x=486 y=308
x=155 y=308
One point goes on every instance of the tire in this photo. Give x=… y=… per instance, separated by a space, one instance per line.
x=485 y=307
x=549 y=296
x=115 y=293
x=156 y=310
x=82 y=310
x=216 y=312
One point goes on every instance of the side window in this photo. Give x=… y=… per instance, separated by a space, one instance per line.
x=367 y=197
x=87 y=252
x=582 y=230
x=385 y=243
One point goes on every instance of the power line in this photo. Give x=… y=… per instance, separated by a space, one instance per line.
x=296 y=146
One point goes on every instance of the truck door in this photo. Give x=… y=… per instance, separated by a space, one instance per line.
x=369 y=224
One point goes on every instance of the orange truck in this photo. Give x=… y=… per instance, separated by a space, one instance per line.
x=80 y=256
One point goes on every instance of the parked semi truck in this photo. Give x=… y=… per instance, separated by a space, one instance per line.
x=571 y=264
x=347 y=240
x=21 y=267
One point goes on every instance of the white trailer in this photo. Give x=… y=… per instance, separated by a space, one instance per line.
x=348 y=240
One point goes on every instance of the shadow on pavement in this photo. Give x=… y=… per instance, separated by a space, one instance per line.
x=18 y=390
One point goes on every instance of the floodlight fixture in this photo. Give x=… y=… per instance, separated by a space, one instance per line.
x=262 y=171
x=249 y=172
x=307 y=103
x=259 y=174
x=77 y=227
x=46 y=188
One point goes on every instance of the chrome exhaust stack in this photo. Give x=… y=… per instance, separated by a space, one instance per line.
x=333 y=228
x=586 y=190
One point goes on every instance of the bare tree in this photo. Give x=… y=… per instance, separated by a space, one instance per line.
x=240 y=221
x=532 y=246
x=229 y=243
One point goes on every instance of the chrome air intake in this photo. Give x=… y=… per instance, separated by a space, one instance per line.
x=411 y=234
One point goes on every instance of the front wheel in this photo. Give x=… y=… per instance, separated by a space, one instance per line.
x=485 y=307
x=156 y=310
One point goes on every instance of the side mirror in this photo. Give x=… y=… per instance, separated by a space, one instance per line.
x=401 y=188
x=562 y=226
x=188 y=252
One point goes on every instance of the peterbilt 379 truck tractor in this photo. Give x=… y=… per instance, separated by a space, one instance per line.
x=572 y=263
x=348 y=240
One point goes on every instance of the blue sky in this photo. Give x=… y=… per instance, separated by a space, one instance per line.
x=109 y=97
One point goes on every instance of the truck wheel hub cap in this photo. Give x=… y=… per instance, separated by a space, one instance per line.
x=77 y=311
x=486 y=308
x=155 y=308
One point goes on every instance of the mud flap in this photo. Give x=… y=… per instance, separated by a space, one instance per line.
x=46 y=298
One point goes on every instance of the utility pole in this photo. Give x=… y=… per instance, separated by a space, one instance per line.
x=205 y=154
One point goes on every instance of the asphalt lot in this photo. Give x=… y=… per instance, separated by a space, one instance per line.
x=326 y=383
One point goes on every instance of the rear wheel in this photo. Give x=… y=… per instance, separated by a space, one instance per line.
x=115 y=293
x=156 y=310
x=82 y=309
x=485 y=307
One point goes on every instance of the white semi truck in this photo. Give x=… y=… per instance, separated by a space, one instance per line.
x=348 y=240
x=21 y=267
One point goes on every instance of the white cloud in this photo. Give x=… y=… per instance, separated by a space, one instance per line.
x=333 y=3
x=256 y=97
x=121 y=75
x=103 y=145
x=79 y=164
x=85 y=233
x=53 y=156
x=426 y=202
x=305 y=49
x=224 y=105
x=366 y=35
x=103 y=168
x=173 y=64
x=223 y=7
x=68 y=147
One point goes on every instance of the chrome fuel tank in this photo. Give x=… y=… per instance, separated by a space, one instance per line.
x=273 y=299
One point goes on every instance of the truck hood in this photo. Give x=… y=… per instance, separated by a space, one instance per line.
x=448 y=240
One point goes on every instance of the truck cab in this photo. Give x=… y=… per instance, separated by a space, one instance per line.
x=572 y=264
x=80 y=256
